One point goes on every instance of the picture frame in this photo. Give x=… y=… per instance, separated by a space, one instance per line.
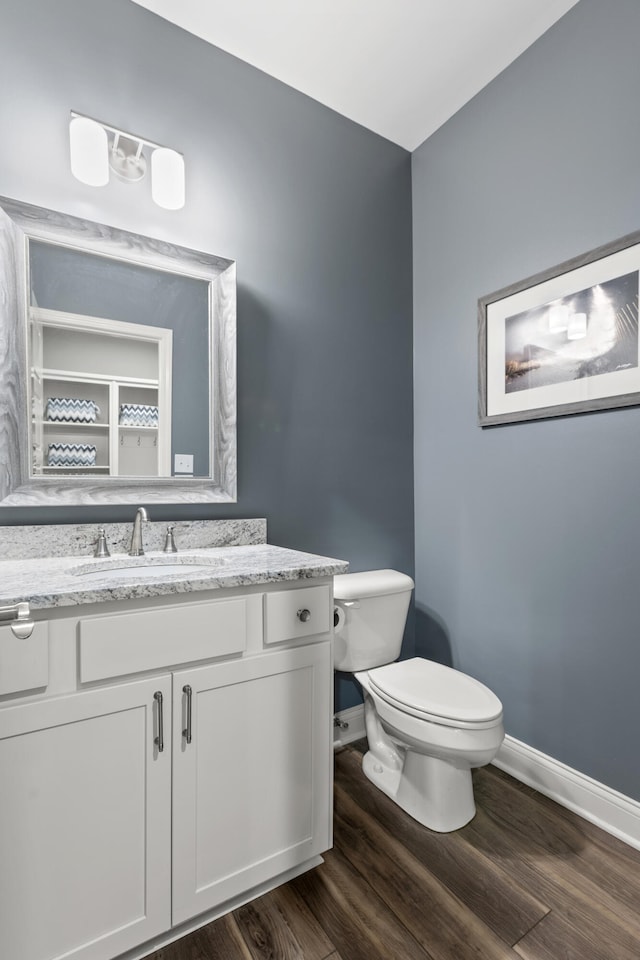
x=563 y=341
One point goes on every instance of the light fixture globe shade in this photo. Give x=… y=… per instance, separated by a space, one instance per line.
x=167 y=178
x=89 y=148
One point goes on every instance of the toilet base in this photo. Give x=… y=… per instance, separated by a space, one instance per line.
x=434 y=792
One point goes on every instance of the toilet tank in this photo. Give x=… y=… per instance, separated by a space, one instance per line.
x=370 y=614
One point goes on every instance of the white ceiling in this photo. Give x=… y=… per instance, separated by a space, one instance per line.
x=399 y=67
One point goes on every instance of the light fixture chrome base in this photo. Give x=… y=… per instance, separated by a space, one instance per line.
x=126 y=159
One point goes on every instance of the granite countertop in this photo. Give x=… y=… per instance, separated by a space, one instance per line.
x=61 y=581
x=66 y=580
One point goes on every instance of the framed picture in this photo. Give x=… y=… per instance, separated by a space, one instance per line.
x=564 y=341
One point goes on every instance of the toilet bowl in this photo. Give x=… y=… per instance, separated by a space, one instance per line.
x=427 y=725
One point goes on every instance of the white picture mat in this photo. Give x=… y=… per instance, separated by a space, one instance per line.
x=587 y=389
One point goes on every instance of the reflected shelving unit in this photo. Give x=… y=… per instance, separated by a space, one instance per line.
x=100 y=365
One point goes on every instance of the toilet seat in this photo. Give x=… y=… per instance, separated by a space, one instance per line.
x=430 y=691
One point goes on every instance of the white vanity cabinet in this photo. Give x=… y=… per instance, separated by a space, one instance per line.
x=85 y=823
x=189 y=770
x=250 y=789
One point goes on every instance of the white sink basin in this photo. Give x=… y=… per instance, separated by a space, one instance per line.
x=137 y=568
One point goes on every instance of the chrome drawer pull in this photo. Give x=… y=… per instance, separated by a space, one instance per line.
x=19 y=613
x=186 y=733
x=304 y=615
x=159 y=740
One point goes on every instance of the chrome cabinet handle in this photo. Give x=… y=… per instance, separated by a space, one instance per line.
x=159 y=740
x=22 y=625
x=186 y=733
x=304 y=615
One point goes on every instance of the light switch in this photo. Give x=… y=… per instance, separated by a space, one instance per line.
x=183 y=463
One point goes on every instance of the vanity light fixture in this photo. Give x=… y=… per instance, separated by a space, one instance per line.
x=97 y=148
x=89 y=147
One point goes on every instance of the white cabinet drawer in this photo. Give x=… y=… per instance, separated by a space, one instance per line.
x=124 y=643
x=24 y=664
x=294 y=614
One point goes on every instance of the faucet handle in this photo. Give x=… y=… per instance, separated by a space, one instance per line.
x=101 y=546
x=170 y=543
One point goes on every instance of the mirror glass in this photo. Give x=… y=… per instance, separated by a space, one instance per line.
x=122 y=365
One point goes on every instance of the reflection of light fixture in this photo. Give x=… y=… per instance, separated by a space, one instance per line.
x=558 y=318
x=577 y=328
x=96 y=148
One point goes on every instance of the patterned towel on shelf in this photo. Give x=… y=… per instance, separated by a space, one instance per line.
x=71 y=455
x=138 y=415
x=69 y=410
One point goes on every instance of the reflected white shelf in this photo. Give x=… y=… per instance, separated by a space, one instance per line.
x=74 y=469
x=69 y=424
x=122 y=426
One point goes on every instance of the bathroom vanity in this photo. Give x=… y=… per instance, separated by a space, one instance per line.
x=165 y=738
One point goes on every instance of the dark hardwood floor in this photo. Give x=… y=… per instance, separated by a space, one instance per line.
x=525 y=879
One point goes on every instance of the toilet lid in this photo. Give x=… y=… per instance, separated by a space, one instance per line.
x=431 y=690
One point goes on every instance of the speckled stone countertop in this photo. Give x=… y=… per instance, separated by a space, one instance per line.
x=77 y=578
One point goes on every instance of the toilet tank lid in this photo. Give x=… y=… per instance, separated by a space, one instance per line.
x=370 y=583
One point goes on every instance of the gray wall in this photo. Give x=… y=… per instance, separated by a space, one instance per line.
x=316 y=211
x=528 y=535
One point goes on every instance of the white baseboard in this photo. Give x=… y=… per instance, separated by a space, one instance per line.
x=354 y=717
x=612 y=811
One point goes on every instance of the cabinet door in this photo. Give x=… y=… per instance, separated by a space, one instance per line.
x=84 y=823
x=252 y=790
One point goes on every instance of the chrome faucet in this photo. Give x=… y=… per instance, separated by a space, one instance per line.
x=136 y=549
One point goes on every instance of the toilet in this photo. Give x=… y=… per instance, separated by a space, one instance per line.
x=427 y=725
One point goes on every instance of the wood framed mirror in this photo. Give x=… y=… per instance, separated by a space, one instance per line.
x=117 y=365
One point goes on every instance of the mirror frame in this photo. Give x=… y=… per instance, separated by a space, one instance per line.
x=20 y=222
